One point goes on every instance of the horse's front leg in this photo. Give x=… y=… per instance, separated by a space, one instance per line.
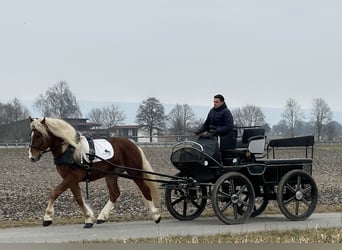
x=87 y=212
x=56 y=192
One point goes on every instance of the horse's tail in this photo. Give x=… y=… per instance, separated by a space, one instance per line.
x=151 y=184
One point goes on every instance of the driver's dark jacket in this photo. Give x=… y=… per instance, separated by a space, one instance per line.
x=219 y=120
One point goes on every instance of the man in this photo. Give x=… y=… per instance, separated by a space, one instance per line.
x=219 y=121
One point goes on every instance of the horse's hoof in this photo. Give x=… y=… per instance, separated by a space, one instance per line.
x=88 y=225
x=158 y=220
x=47 y=223
x=100 y=221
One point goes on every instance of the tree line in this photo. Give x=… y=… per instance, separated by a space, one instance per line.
x=59 y=101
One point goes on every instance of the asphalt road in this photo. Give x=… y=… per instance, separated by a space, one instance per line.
x=141 y=229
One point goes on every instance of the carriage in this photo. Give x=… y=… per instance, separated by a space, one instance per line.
x=242 y=176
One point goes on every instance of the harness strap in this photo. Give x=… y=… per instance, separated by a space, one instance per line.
x=91 y=157
x=91 y=154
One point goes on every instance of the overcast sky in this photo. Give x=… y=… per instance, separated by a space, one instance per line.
x=179 y=51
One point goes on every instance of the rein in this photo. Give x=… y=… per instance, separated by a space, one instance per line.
x=136 y=170
x=46 y=150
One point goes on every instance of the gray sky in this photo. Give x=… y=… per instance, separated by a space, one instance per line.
x=179 y=51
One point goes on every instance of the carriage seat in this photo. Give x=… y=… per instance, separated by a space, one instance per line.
x=306 y=142
x=253 y=140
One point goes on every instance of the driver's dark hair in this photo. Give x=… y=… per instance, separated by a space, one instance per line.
x=219 y=96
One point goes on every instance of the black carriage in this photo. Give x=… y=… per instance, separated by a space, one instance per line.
x=241 y=175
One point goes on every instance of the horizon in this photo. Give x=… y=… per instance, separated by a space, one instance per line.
x=272 y=114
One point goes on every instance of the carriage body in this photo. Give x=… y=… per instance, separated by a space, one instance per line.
x=249 y=173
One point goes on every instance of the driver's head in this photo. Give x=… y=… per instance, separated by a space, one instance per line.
x=218 y=101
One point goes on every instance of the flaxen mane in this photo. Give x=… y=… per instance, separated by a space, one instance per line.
x=60 y=129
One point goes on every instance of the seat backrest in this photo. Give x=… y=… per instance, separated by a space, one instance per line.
x=250 y=132
x=257 y=145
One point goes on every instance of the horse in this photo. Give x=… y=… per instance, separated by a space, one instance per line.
x=63 y=141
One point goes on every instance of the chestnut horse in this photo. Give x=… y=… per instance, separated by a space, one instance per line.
x=59 y=137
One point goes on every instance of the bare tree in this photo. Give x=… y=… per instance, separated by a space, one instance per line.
x=332 y=130
x=112 y=116
x=58 y=101
x=249 y=115
x=108 y=117
x=151 y=115
x=181 y=118
x=321 y=115
x=96 y=115
x=13 y=111
x=292 y=115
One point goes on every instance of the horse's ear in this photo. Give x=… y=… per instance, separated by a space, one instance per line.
x=31 y=119
x=43 y=121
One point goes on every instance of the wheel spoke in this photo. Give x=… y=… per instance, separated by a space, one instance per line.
x=307 y=190
x=232 y=186
x=185 y=207
x=290 y=188
x=244 y=203
x=235 y=207
x=307 y=203
x=224 y=194
x=289 y=200
x=195 y=204
x=182 y=198
x=299 y=182
x=225 y=206
x=297 y=207
x=241 y=190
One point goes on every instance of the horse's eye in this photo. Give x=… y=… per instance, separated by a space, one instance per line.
x=37 y=136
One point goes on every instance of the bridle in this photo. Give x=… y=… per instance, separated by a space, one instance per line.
x=41 y=148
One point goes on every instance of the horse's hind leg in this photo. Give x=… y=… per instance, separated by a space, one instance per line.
x=114 y=193
x=87 y=212
x=148 y=189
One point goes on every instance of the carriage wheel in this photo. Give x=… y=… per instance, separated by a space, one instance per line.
x=297 y=195
x=261 y=200
x=233 y=198
x=186 y=203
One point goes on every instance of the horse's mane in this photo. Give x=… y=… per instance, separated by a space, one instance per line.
x=58 y=128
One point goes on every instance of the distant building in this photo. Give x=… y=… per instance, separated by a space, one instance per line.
x=19 y=131
x=136 y=133
x=81 y=124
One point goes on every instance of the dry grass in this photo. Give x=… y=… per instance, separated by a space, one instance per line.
x=319 y=235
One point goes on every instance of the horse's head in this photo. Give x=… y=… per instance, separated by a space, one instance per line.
x=40 y=140
x=52 y=134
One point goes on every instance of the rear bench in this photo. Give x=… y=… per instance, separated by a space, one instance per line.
x=306 y=142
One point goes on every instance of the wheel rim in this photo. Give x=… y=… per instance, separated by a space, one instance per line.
x=186 y=203
x=297 y=195
x=233 y=198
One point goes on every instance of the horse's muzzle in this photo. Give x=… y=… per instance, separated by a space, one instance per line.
x=35 y=158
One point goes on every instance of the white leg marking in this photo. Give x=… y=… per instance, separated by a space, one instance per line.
x=49 y=212
x=154 y=211
x=89 y=214
x=104 y=215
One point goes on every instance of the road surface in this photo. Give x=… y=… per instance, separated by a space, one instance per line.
x=142 y=229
